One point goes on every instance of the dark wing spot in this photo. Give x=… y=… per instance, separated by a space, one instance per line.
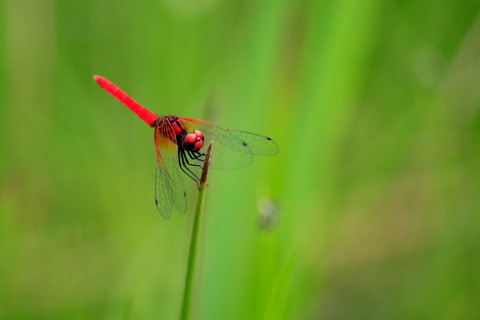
x=184 y=193
x=156 y=201
x=268 y=138
x=244 y=143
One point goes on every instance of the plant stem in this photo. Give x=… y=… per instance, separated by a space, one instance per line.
x=192 y=255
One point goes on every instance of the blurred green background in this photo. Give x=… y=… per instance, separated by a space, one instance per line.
x=373 y=199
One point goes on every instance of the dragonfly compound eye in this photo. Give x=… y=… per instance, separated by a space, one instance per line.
x=198 y=134
x=193 y=141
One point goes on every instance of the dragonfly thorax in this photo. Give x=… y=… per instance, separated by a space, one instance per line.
x=177 y=125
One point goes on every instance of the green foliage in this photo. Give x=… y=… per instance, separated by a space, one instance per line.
x=374 y=105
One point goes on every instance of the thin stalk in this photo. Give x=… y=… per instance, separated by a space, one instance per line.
x=192 y=254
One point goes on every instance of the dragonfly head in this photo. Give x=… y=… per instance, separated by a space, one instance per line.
x=193 y=141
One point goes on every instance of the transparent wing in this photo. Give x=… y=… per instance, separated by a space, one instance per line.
x=169 y=189
x=163 y=191
x=233 y=148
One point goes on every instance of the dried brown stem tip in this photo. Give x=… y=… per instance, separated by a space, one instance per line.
x=206 y=163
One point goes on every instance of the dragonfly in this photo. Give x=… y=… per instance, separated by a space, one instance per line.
x=180 y=144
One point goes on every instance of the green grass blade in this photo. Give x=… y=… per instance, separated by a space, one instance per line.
x=192 y=255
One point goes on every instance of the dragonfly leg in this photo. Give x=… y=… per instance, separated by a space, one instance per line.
x=183 y=166
x=192 y=156
x=186 y=162
x=195 y=155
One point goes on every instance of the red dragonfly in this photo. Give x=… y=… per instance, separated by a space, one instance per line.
x=179 y=145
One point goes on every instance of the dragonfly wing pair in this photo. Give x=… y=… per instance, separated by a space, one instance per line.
x=233 y=148
x=169 y=187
